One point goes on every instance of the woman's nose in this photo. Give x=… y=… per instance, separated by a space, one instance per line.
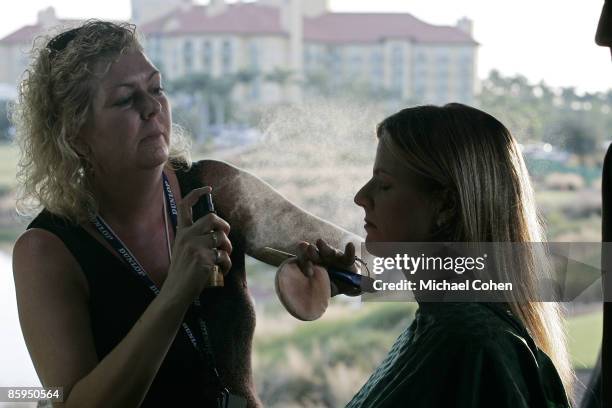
x=150 y=107
x=361 y=198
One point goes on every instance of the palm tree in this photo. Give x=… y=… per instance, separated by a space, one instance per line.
x=210 y=98
x=279 y=76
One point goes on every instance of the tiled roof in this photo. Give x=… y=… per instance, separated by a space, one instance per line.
x=251 y=18
x=373 y=27
x=254 y=19
x=27 y=33
x=241 y=18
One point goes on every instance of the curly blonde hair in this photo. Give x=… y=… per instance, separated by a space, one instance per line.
x=55 y=101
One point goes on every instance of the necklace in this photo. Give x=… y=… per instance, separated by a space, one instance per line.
x=166 y=226
x=204 y=348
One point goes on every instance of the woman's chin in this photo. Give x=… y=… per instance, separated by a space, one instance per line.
x=370 y=237
x=153 y=158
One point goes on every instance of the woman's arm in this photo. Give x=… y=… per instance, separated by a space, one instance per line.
x=263 y=217
x=53 y=311
x=52 y=298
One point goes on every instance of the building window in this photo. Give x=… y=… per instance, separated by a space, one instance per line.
x=254 y=56
x=175 y=61
x=355 y=63
x=466 y=65
x=321 y=58
x=226 y=56
x=188 y=56
x=255 y=93
x=154 y=48
x=207 y=57
x=377 y=70
x=308 y=56
x=442 y=59
x=335 y=61
x=421 y=57
x=442 y=93
x=419 y=92
x=397 y=69
x=466 y=88
x=443 y=74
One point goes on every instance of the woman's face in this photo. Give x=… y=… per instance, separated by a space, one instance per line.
x=131 y=118
x=395 y=209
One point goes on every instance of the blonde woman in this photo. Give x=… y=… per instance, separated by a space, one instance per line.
x=111 y=274
x=455 y=174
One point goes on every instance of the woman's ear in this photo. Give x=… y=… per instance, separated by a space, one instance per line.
x=80 y=146
x=446 y=208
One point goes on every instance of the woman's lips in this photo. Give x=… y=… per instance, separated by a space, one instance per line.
x=369 y=225
x=152 y=136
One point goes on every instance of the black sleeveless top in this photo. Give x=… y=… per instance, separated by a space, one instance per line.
x=118 y=298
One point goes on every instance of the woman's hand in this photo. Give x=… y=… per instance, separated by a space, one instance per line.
x=198 y=247
x=327 y=256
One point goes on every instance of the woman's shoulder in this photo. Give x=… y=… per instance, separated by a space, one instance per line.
x=52 y=222
x=40 y=255
x=485 y=361
x=472 y=327
x=37 y=240
x=211 y=172
x=212 y=167
x=489 y=349
x=48 y=248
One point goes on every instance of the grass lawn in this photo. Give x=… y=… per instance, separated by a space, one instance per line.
x=584 y=338
x=8 y=166
x=377 y=325
x=352 y=325
x=555 y=198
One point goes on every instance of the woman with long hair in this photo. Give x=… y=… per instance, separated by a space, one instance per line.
x=455 y=174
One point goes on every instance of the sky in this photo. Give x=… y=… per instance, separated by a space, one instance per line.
x=550 y=40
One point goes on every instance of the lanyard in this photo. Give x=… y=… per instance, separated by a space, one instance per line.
x=204 y=348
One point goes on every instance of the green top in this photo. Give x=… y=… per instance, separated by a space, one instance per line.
x=464 y=355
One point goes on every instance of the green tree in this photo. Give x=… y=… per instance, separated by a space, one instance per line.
x=210 y=98
x=516 y=103
x=578 y=137
x=5 y=124
x=279 y=76
x=538 y=112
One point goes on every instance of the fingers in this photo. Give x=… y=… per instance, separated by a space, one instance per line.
x=303 y=259
x=184 y=216
x=313 y=254
x=215 y=239
x=326 y=251
x=334 y=257
x=349 y=253
x=331 y=254
x=211 y=222
x=324 y=254
x=224 y=261
x=212 y=256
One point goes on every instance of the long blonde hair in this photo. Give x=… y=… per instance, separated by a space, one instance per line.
x=54 y=103
x=474 y=159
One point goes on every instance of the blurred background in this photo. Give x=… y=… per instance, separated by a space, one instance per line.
x=292 y=90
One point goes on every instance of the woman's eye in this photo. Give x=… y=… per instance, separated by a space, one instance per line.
x=383 y=186
x=124 y=101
